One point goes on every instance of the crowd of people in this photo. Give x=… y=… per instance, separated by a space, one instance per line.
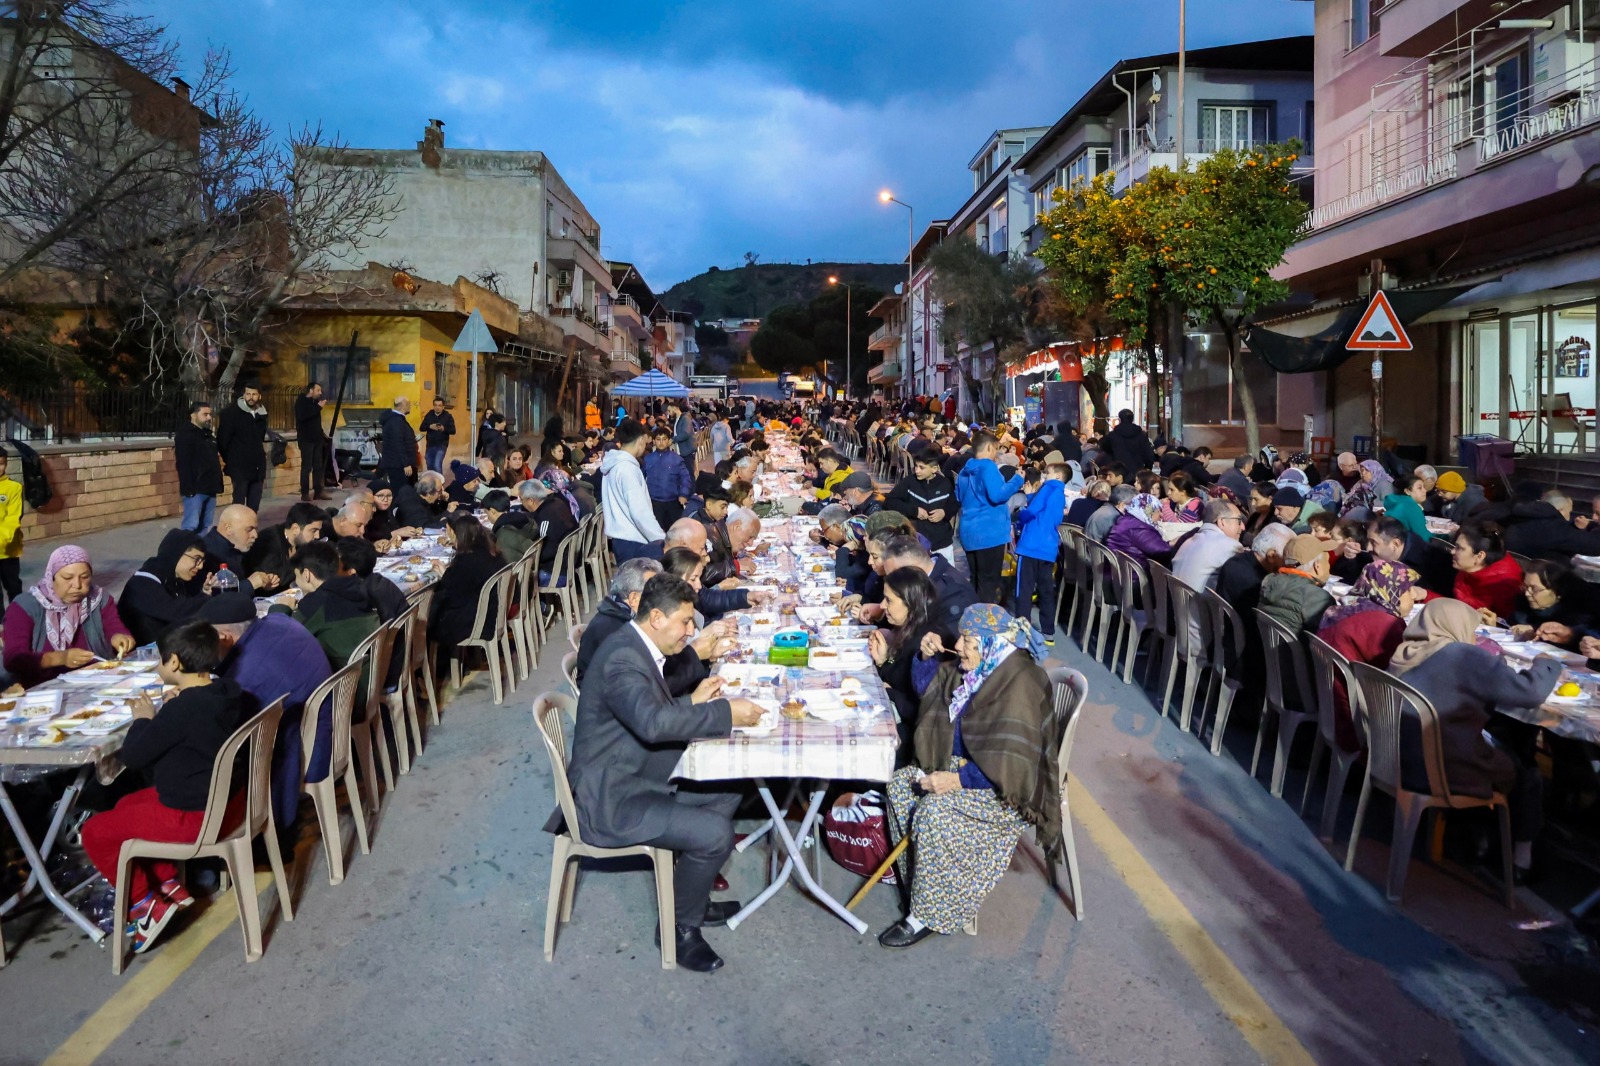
x=1268 y=531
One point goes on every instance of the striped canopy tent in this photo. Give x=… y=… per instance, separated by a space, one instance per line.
x=652 y=383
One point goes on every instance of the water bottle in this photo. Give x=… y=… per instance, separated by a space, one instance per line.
x=225 y=581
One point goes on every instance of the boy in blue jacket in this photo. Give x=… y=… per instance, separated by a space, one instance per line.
x=667 y=478
x=1038 y=543
x=982 y=492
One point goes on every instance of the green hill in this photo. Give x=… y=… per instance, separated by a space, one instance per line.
x=752 y=291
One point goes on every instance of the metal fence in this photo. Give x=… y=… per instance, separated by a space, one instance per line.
x=87 y=413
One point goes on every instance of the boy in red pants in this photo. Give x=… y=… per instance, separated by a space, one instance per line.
x=175 y=748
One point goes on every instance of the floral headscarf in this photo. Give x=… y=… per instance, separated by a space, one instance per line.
x=999 y=633
x=1376 y=469
x=1379 y=588
x=1327 y=494
x=558 y=481
x=62 y=620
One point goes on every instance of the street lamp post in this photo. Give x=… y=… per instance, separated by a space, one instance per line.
x=848 y=323
x=911 y=242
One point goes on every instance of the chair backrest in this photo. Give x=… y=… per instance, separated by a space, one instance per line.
x=417 y=645
x=575 y=636
x=260 y=733
x=523 y=575
x=1330 y=669
x=1133 y=588
x=374 y=651
x=1385 y=699
x=548 y=710
x=340 y=692
x=1281 y=645
x=493 y=604
x=562 y=566
x=1191 y=618
x=1160 y=614
x=569 y=669
x=1071 y=689
x=1227 y=631
x=1070 y=552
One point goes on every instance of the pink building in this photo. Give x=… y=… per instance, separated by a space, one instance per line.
x=1457 y=157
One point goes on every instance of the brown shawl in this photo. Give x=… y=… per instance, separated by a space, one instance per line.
x=1011 y=733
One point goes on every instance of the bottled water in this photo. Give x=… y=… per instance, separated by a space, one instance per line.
x=225 y=581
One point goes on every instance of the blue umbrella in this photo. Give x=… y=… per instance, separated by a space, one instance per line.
x=650 y=384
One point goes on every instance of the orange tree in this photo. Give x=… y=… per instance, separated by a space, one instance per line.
x=1103 y=254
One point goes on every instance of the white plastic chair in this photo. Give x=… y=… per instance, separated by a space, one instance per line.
x=1330 y=669
x=1281 y=647
x=1385 y=700
x=1071 y=689
x=234 y=848
x=1227 y=652
x=548 y=710
x=1191 y=635
x=339 y=691
x=493 y=604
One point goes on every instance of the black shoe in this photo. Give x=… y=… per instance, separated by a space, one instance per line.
x=718 y=911
x=693 y=951
x=901 y=935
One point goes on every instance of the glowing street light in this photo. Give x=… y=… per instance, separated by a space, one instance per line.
x=911 y=243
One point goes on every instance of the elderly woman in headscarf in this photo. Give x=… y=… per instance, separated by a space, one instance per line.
x=63 y=622
x=1369 y=628
x=167 y=589
x=1440 y=658
x=984 y=770
x=1375 y=484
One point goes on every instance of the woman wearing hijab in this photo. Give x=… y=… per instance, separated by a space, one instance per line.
x=1464 y=682
x=168 y=588
x=984 y=770
x=1370 y=491
x=1369 y=629
x=64 y=622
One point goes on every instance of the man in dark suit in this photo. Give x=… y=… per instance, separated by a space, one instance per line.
x=397 y=456
x=630 y=732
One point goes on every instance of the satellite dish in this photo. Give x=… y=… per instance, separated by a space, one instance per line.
x=1155 y=82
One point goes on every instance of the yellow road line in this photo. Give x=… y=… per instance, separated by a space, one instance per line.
x=1222 y=980
x=119 y=1012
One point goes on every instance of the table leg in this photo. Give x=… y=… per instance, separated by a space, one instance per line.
x=40 y=875
x=794 y=861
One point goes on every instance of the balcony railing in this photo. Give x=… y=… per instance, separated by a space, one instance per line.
x=885 y=336
x=1429 y=155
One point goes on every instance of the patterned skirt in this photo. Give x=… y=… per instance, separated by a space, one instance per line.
x=961 y=845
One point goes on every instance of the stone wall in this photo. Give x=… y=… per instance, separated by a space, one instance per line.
x=100 y=486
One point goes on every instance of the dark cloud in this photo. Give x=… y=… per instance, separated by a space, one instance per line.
x=696 y=132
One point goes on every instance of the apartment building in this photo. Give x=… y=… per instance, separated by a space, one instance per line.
x=886 y=345
x=1235 y=96
x=935 y=373
x=508 y=222
x=995 y=216
x=1459 y=151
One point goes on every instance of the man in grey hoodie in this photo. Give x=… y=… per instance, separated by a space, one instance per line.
x=631 y=522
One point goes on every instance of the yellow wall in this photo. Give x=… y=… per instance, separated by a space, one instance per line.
x=393 y=339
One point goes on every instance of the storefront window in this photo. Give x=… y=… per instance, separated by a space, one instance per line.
x=1530 y=378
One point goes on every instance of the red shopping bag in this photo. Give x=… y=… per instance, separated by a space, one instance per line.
x=857 y=832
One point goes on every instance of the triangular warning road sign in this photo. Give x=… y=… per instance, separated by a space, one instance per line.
x=475 y=336
x=1380 y=329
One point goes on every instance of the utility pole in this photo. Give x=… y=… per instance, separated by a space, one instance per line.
x=1177 y=340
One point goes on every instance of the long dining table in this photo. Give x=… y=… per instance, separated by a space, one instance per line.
x=827 y=720
x=76 y=723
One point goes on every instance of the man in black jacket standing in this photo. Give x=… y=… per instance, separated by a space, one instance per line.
x=1127 y=444
x=199 y=468
x=241 y=438
x=438 y=426
x=397 y=462
x=313 y=445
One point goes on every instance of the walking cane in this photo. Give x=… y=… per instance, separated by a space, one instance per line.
x=877 y=875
